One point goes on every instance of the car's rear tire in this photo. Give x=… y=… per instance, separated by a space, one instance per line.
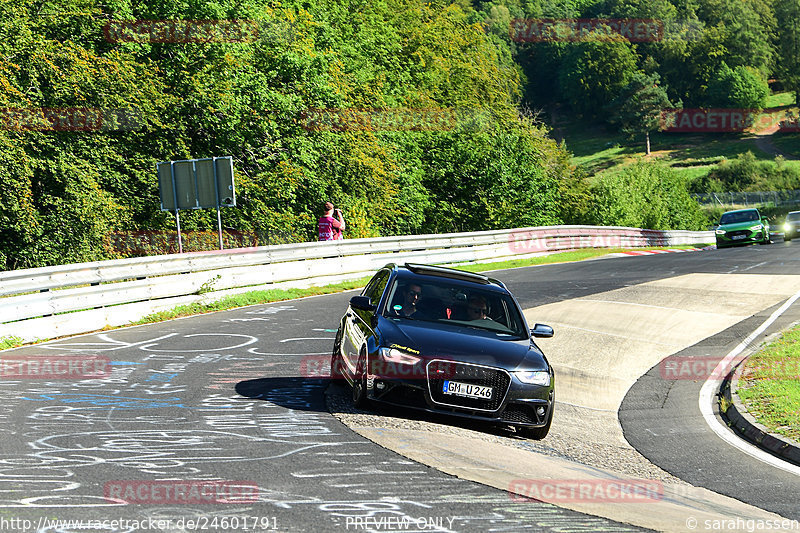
x=360 y=382
x=538 y=433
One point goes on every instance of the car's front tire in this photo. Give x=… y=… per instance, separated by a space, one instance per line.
x=337 y=378
x=360 y=382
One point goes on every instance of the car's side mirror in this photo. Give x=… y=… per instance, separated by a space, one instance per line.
x=362 y=303
x=542 y=331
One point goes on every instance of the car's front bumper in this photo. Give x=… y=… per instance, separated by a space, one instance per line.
x=519 y=406
x=739 y=237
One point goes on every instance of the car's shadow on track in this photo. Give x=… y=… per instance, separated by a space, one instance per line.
x=322 y=395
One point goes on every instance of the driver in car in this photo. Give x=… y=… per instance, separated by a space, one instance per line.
x=477 y=308
x=411 y=297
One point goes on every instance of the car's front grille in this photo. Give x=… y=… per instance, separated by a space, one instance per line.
x=745 y=232
x=440 y=371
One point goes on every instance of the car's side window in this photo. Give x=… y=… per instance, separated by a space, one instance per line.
x=375 y=287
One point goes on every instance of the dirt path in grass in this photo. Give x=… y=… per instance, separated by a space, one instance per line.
x=763 y=141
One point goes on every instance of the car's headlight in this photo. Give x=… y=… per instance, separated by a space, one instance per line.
x=393 y=355
x=757 y=227
x=720 y=232
x=537 y=377
x=787 y=227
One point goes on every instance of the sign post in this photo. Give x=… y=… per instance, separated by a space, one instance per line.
x=196 y=184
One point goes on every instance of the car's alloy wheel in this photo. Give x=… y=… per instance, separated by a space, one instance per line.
x=360 y=381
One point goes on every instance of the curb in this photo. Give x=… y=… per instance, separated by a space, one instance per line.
x=735 y=414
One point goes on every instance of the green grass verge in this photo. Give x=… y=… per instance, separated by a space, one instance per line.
x=278 y=295
x=769 y=387
x=10 y=342
x=249 y=298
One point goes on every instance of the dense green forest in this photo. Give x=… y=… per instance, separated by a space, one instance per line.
x=492 y=164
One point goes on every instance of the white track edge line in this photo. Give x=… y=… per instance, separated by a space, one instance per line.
x=708 y=390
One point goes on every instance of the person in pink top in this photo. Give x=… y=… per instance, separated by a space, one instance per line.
x=329 y=228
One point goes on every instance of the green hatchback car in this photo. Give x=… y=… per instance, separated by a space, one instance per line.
x=743 y=226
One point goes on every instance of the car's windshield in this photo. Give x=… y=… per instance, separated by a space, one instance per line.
x=793 y=216
x=455 y=304
x=739 y=216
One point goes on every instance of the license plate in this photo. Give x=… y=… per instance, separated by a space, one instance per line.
x=457 y=388
x=737 y=237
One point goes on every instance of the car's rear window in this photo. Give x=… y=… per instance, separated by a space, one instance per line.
x=739 y=216
x=455 y=304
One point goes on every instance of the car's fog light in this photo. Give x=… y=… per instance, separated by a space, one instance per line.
x=380 y=385
x=540 y=411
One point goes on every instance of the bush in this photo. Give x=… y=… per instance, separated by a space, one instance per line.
x=746 y=173
x=646 y=195
x=740 y=87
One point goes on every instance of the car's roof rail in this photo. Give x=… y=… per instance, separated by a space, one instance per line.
x=445 y=272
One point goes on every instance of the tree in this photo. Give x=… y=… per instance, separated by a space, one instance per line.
x=745 y=29
x=593 y=73
x=637 y=110
x=787 y=13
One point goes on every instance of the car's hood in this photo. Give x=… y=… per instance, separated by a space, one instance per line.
x=739 y=225
x=471 y=345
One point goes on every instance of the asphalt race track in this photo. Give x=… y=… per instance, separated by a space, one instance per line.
x=221 y=422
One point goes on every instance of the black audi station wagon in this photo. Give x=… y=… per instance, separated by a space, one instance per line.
x=445 y=341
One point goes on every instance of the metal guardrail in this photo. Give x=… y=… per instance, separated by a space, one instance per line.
x=69 y=299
